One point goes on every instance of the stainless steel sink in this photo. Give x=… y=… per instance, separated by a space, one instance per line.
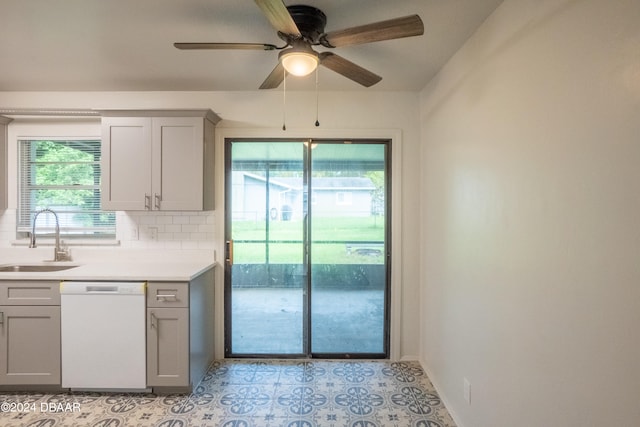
x=37 y=268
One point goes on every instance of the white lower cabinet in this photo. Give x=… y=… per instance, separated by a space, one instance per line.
x=179 y=332
x=29 y=333
x=168 y=334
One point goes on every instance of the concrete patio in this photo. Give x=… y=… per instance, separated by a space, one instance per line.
x=270 y=321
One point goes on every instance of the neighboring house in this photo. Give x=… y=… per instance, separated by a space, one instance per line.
x=330 y=196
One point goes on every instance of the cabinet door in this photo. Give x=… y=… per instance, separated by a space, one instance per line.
x=178 y=147
x=30 y=343
x=167 y=347
x=126 y=163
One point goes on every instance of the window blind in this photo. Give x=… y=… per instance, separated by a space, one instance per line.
x=64 y=176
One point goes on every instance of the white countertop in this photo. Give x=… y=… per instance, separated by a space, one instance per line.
x=116 y=264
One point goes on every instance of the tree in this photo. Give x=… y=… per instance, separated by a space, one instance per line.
x=56 y=167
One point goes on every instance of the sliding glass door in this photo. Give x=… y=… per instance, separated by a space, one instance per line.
x=266 y=290
x=306 y=271
x=348 y=249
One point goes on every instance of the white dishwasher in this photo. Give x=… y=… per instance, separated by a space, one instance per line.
x=103 y=335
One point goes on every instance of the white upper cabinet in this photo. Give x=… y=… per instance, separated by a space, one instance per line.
x=4 y=187
x=126 y=163
x=158 y=160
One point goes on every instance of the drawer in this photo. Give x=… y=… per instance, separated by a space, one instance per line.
x=29 y=292
x=168 y=294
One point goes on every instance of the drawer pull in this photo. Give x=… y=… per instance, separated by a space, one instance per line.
x=166 y=296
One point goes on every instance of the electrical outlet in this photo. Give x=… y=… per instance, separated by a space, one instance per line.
x=153 y=233
x=467 y=391
x=134 y=233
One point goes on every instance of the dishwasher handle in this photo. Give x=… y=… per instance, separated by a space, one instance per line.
x=103 y=289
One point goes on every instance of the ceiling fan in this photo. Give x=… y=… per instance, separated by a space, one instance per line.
x=301 y=27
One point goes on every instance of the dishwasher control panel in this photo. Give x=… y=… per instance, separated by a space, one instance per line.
x=116 y=288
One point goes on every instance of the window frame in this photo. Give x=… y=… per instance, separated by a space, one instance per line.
x=25 y=166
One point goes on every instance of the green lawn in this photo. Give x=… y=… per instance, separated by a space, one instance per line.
x=328 y=234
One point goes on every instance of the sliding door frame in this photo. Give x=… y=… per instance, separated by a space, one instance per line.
x=387 y=248
x=395 y=206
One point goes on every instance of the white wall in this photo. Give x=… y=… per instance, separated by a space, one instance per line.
x=531 y=205
x=245 y=113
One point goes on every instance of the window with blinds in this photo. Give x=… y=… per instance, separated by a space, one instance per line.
x=64 y=176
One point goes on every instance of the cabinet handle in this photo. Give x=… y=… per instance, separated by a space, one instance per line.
x=153 y=320
x=158 y=199
x=166 y=296
x=1 y=318
x=147 y=202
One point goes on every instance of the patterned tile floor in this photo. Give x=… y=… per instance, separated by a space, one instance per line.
x=248 y=393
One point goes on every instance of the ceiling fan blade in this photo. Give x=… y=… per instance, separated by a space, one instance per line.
x=274 y=79
x=407 y=26
x=349 y=69
x=243 y=46
x=279 y=17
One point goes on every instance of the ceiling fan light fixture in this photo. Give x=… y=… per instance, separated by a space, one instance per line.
x=299 y=61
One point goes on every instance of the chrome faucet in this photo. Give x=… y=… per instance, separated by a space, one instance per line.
x=60 y=253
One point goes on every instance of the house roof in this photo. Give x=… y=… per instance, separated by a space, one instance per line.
x=319 y=184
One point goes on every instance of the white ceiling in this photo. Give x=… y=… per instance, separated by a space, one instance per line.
x=127 y=45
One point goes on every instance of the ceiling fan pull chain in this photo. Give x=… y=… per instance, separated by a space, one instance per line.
x=284 y=100
x=317 y=96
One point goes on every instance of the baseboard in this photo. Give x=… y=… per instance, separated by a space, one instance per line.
x=443 y=397
x=410 y=358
